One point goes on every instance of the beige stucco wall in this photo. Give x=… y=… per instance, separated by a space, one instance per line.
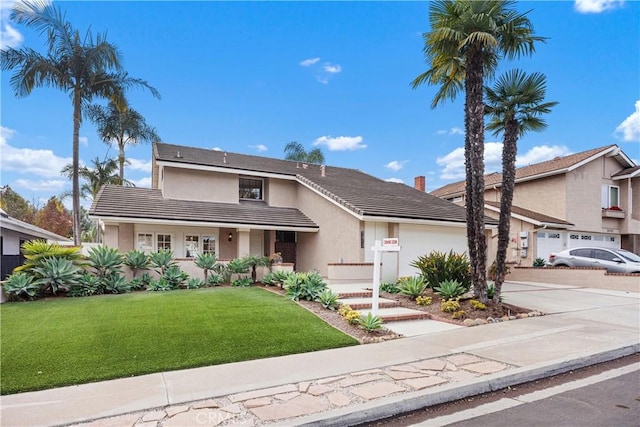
x=281 y=193
x=111 y=234
x=584 y=195
x=338 y=240
x=126 y=240
x=545 y=195
x=189 y=184
x=516 y=226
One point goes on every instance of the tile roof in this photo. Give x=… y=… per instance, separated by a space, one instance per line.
x=628 y=172
x=536 y=216
x=359 y=192
x=549 y=167
x=147 y=203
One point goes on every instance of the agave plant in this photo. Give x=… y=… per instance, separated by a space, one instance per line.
x=328 y=299
x=162 y=260
x=195 y=283
x=36 y=251
x=21 y=285
x=450 y=289
x=255 y=261
x=412 y=286
x=87 y=285
x=105 y=261
x=116 y=284
x=207 y=262
x=136 y=260
x=174 y=276
x=370 y=323
x=56 y=274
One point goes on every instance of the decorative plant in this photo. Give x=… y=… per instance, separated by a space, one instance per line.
x=449 y=289
x=460 y=314
x=392 y=288
x=370 y=323
x=275 y=278
x=349 y=314
x=275 y=258
x=207 y=262
x=162 y=260
x=195 y=283
x=438 y=266
x=424 y=300
x=242 y=282
x=214 y=279
x=20 y=285
x=56 y=274
x=539 y=262
x=328 y=299
x=160 y=285
x=36 y=251
x=491 y=290
x=237 y=266
x=255 y=261
x=174 y=276
x=116 y=284
x=136 y=261
x=412 y=286
x=492 y=270
x=306 y=286
x=477 y=305
x=105 y=261
x=449 y=306
x=87 y=285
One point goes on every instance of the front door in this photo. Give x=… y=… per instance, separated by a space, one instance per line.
x=286 y=245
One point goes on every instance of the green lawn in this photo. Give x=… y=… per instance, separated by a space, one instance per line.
x=64 y=341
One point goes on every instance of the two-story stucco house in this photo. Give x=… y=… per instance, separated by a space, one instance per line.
x=584 y=199
x=235 y=205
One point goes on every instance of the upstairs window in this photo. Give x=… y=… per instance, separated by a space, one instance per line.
x=251 y=188
x=610 y=196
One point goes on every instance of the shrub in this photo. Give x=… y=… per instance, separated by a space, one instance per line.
x=392 y=288
x=449 y=289
x=105 y=261
x=242 y=282
x=460 y=314
x=87 y=285
x=56 y=274
x=492 y=270
x=424 y=300
x=306 y=286
x=160 y=285
x=275 y=278
x=370 y=322
x=349 y=314
x=207 y=262
x=491 y=291
x=328 y=299
x=214 y=279
x=174 y=276
x=236 y=266
x=255 y=261
x=477 y=305
x=162 y=260
x=20 y=285
x=436 y=267
x=136 y=261
x=195 y=283
x=36 y=251
x=449 y=306
x=116 y=284
x=412 y=286
x=539 y=262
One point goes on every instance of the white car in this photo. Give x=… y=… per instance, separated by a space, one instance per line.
x=614 y=260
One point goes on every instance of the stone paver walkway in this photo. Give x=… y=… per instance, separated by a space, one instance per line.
x=289 y=401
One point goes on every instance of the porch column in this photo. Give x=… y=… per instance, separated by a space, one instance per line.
x=244 y=242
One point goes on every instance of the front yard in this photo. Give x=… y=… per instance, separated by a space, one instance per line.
x=62 y=341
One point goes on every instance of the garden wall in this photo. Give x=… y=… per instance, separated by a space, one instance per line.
x=585 y=277
x=350 y=272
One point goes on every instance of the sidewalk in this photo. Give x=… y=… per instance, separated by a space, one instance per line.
x=362 y=383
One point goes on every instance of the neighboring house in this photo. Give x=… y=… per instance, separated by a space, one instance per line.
x=584 y=199
x=235 y=205
x=13 y=233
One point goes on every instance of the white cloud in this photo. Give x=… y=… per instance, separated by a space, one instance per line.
x=217 y=149
x=142 y=182
x=139 y=165
x=83 y=141
x=453 y=131
x=341 y=143
x=45 y=185
x=396 y=180
x=9 y=36
x=596 y=6
x=309 y=62
x=332 y=69
x=39 y=162
x=542 y=154
x=395 y=165
x=453 y=163
x=259 y=148
x=629 y=129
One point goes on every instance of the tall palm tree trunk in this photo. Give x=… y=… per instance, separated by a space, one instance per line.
x=474 y=154
x=77 y=232
x=121 y=162
x=509 y=153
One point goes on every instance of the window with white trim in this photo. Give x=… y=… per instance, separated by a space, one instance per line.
x=209 y=245
x=610 y=196
x=163 y=241
x=144 y=242
x=191 y=246
x=251 y=188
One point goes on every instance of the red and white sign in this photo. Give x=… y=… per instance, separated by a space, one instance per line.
x=391 y=241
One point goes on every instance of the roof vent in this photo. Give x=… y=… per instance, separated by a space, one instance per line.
x=224 y=159
x=178 y=156
x=304 y=166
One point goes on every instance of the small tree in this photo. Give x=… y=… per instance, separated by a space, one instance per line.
x=207 y=262
x=55 y=218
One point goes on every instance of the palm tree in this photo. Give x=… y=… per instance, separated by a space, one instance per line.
x=514 y=106
x=466 y=42
x=84 y=67
x=296 y=152
x=123 y=126
x=102 y=173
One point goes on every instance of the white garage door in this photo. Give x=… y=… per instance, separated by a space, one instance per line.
x=548 y=242
x=418 y=240
x=577 y=239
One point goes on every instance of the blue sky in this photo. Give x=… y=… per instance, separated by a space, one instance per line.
x=249 y=77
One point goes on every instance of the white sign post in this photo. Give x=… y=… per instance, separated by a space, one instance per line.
x=387 y=245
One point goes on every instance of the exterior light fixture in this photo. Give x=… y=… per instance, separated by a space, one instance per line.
x=230 y=236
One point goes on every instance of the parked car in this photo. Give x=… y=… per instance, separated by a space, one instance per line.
x=614 y=260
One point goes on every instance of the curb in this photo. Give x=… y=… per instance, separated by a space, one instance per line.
x=397 y=405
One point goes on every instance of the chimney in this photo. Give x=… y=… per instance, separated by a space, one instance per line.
x=322 y=172
x=419 y=183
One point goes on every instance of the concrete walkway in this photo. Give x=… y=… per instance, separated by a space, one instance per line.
x=352 y=385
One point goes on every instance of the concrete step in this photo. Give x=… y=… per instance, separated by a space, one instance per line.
x=397 y=313
x=353 y=294
x=365 y=303
x=414 y=328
